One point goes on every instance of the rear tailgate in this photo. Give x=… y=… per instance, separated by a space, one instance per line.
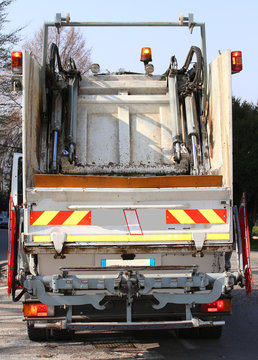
x=183 y=216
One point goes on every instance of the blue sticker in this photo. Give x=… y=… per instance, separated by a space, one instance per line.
x=152 y=262
x=103 y=262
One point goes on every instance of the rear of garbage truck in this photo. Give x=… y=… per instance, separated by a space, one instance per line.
x=125 y=218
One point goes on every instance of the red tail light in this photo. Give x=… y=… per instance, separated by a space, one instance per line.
x=16 y=62
x=236 y=61
x=221 y=305
x=38 y=310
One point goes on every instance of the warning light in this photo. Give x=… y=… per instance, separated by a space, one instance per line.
x=221 y=305
x=236 y=62
x=38 y=310
x=146 y=55
x=16 y=62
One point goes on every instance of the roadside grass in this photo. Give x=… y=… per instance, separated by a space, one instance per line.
x=254 y=244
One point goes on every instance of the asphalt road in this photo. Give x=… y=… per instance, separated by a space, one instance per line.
x=239 y=339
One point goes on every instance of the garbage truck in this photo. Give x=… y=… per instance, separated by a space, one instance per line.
x=121 y=203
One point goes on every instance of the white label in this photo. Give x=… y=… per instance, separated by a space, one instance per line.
x=135 y=262
x=133 y=222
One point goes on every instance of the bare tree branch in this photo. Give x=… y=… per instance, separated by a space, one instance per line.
x=10 y=106
x=71 y=44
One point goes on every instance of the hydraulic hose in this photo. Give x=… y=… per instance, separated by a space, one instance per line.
x=193 y=85
x=54 y=55
x=189 y=86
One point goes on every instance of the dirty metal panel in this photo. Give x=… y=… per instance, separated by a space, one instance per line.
x=113 y=84
x=125 y=196
x=122 y=128
x=31 y=117
x=165 y=325
x=102 y=135
x=84 y=248
x=220 y=117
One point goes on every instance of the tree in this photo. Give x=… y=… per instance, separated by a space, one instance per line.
x=7 y=40
x=10 y=118
x=71 y=43
x=245 y=145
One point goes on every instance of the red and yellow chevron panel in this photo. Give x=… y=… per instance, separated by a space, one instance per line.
x=60 y=218
x=196 y=216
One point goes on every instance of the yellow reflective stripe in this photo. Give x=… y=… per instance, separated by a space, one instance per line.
x=219 y=236
x=46 y=217
x=182 y=217
x=131 y=238
x=75 y=218
x=42 y=239
x=211 y=216
x=118 y=238
x=128 y=238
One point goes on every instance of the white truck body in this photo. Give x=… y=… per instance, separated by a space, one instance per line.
x=124 y=223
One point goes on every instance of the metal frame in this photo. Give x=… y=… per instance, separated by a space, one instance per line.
x=121 y=326
x=14 y=186
x=185 y=22
x=195 y=288
x=146 y=285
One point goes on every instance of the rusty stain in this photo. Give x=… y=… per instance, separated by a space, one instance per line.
x=165 y=249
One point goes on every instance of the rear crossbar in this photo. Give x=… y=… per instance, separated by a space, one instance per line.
x=121 y=326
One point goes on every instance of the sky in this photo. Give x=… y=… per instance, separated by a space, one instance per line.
x=229 y=25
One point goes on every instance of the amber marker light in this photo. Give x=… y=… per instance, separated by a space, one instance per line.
x=146 y=55
x=38 y=310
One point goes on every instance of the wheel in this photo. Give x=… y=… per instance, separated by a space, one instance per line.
x=59 y=335
x=188 y=333
x=35 y=334
x=211 y=332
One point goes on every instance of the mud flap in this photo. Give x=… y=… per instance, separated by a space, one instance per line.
x=12 y=248
x=245 y=239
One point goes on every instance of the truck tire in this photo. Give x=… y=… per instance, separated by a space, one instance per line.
x=188 y=333
x=35 y=334
x=62 y=335
x=211 y=332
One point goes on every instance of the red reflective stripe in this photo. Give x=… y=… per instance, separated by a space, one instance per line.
x=86 y=220
x=34 y=216
x=222 y=213
x=170 y=219
x=60 y=217
x=11 y=236
x=196 y=216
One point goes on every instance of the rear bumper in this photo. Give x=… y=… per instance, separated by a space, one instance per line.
x=166 y=286
x=123 y=326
